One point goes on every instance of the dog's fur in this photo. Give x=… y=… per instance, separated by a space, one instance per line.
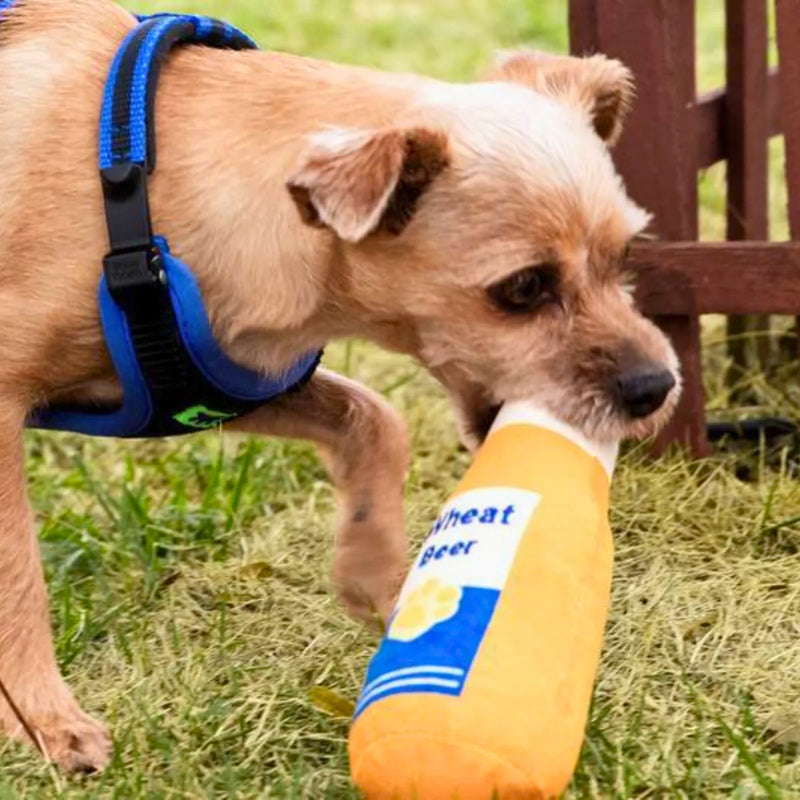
x=312 y=201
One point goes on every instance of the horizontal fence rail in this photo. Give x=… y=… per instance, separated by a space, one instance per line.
x=684 y=278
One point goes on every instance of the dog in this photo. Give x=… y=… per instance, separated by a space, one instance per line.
x=480 y=228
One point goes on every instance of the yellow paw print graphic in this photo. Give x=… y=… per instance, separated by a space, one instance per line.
x=427 y=605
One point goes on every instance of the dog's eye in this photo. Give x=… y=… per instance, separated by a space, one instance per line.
x=526 y=290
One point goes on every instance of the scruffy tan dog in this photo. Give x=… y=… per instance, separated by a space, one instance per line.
x=479 y=227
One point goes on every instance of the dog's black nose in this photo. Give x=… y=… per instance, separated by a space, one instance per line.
x=644 y=390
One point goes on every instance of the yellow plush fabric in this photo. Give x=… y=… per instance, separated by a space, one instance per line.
x=514 y=729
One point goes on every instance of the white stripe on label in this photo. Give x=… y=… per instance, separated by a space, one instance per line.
x=424 y=669
x=421 y=682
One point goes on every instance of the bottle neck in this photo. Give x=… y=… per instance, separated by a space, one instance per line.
x=524 y=413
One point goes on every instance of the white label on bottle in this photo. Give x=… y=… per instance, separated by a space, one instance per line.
x=450 y=595
x=474 y=540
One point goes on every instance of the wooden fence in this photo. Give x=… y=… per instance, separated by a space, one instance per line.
x=673 y=133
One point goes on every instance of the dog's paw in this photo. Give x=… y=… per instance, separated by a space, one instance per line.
x=77 y=743
x=69 y=738
x=368 y=583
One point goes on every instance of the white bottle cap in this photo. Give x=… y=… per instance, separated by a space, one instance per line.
x=522 y=412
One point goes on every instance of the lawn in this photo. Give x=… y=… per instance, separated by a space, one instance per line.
x=189 y=578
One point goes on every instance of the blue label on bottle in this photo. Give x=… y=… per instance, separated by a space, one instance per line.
x=450 y=595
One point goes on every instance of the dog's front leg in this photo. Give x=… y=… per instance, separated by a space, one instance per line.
x=43 y=705
x=363 y=441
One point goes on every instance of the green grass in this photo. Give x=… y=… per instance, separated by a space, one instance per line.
x=188 y=578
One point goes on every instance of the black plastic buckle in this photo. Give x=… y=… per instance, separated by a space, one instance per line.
x=134 y=279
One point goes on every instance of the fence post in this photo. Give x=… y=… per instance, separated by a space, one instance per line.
x=788 y=36
x=747 y=133
x=657 y=156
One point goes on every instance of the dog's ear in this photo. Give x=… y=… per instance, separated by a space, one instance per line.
x=356 y=182
x=602 y=87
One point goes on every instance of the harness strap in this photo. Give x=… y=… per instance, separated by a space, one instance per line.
x=127 y=132
x=175 y=377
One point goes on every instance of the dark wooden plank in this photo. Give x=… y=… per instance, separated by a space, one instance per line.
x=710 y=121
x=583 y=27
x=747 y=132
x=657 y=152
x=717 y=277
x=687 y=426
x=788 y=37
x=747 y=128
x=710 y=128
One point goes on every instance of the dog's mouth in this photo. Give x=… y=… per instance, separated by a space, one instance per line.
x=481 y=420
x=597 y=414
x=595 y=421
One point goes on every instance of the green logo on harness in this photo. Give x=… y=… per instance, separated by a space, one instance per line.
x=201 y=417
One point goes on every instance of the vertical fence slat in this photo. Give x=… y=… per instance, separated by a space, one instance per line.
x=788 y=35
x=788 y=30
x=657 y=156
x=747 y=118
x=747 y=133
x=656 y=39
x=583 y=27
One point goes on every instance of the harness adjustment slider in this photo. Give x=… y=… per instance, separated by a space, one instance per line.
x=127 y=207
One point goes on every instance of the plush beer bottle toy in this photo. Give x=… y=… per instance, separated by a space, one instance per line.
x=481 y=687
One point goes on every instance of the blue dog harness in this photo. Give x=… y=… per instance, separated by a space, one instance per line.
x=175 y=377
